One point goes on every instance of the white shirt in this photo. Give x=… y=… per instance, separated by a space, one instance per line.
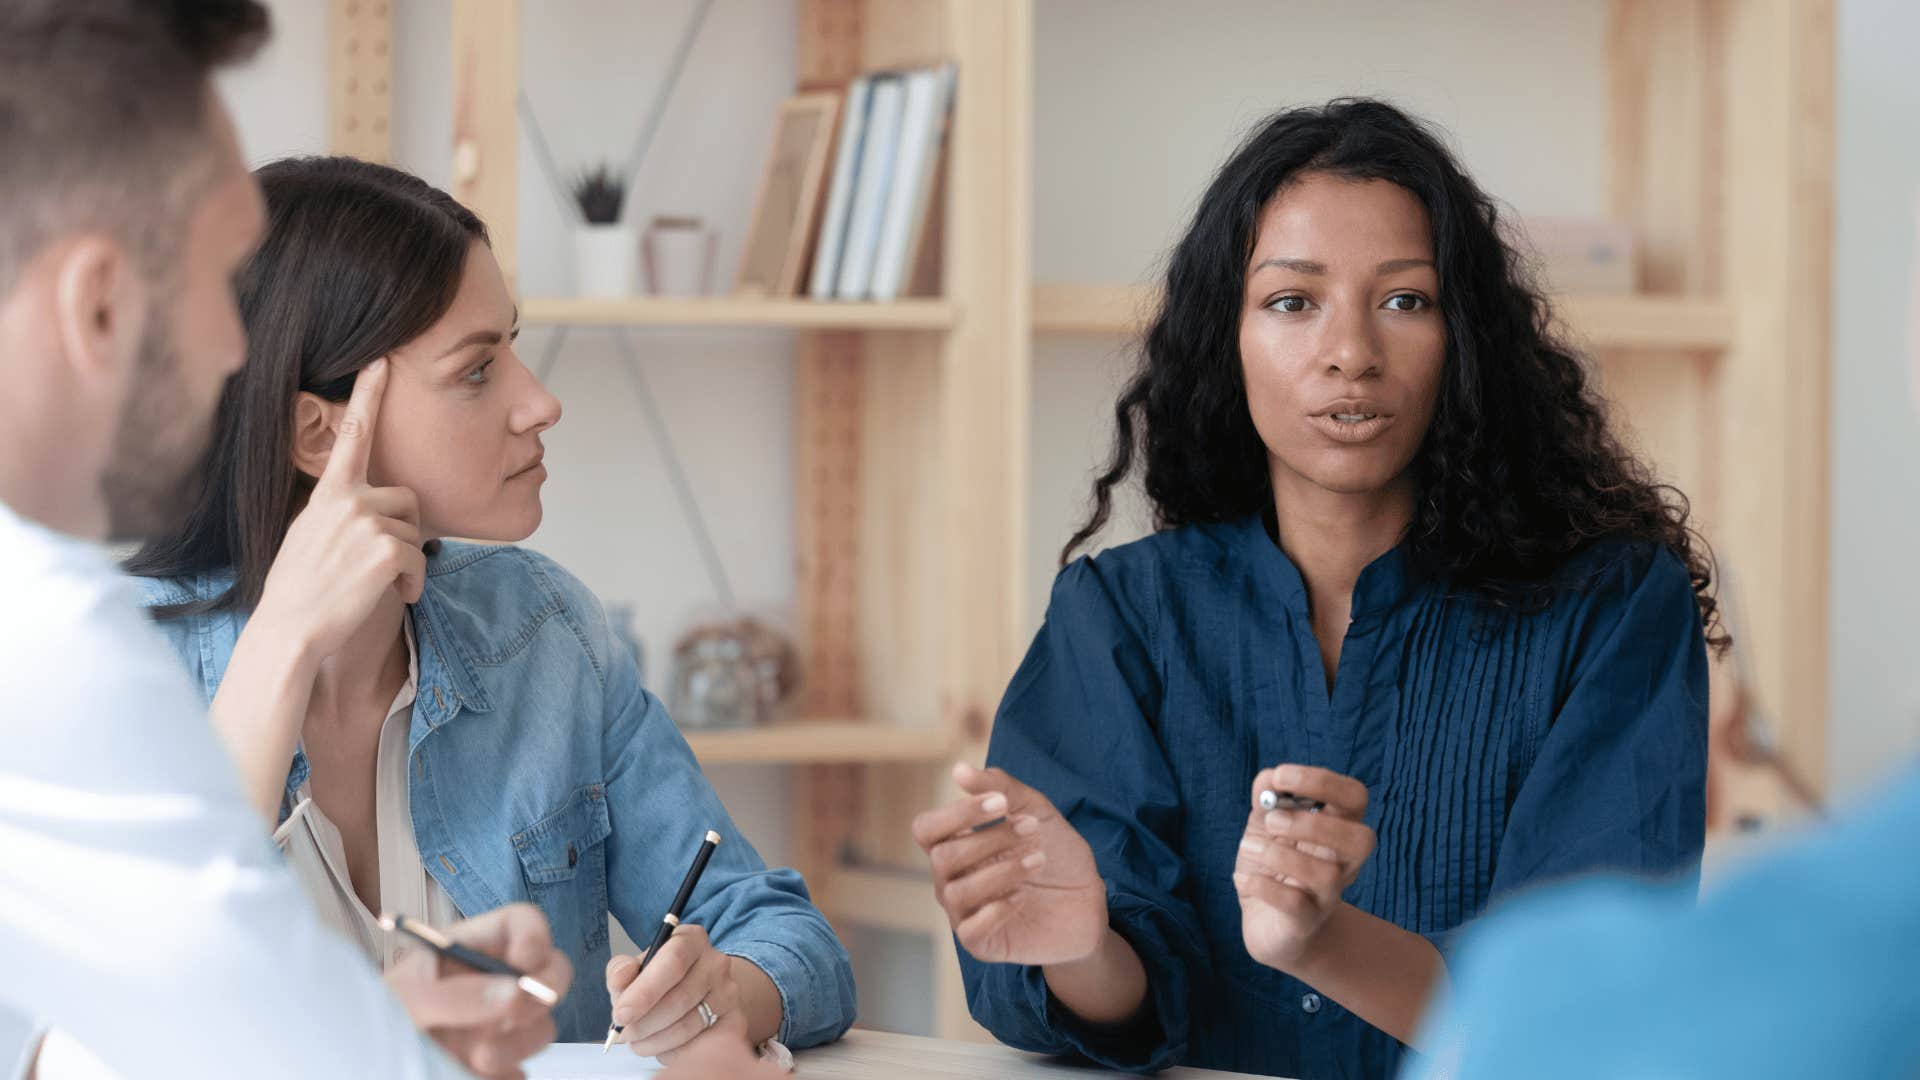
x=143 y=909
x=313 y=847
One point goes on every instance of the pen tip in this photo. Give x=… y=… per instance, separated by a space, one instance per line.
x=386 y=922
x=713 y=836
x=612 y=1034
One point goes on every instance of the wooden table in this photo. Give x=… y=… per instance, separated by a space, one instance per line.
x=879 y=1055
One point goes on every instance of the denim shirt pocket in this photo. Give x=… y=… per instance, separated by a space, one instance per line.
x=564 y=858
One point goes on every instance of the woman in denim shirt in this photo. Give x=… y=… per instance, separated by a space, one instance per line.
x=367 y=675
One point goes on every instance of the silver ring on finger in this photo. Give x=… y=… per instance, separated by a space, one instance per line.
x=708 y=1017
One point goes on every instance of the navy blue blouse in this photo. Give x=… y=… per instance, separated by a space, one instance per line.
x=1501 y=747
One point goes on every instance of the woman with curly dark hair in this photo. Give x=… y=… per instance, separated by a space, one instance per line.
x=1415 y=630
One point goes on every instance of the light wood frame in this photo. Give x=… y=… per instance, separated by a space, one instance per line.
x=360 y=90
x=786 y=210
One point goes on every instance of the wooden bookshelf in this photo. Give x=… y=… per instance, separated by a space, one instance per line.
x=719 y=311
x=910 y=429
x=1099 y=310
x=885 y=899
x=1660 y=323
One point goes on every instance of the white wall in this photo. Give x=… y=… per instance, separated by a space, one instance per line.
x=279 y=101
x=1875 y=644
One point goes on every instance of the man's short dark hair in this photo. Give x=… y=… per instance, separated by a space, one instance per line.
x=103 y=115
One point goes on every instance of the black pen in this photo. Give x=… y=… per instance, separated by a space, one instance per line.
x=473 y=958
x=672 y=918
x=1287 y=800
x=984 y=826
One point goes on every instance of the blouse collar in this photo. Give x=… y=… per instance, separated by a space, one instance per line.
x=1385 y=583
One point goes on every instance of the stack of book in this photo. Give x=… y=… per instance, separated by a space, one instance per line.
x=881 y=199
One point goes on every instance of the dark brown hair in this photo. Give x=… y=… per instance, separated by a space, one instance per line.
x=1520 y=468
x=103 y=111
x=358 y=260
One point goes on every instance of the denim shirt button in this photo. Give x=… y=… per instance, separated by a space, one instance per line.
x=1310 y=1004
x=573 y=857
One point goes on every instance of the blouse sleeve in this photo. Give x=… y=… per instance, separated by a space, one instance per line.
x=1620 y=779
x=1077 y=723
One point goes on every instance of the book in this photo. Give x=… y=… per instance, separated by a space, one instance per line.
x=854 y=278
x=925 y=258
x=922 y=130
x=833 y=230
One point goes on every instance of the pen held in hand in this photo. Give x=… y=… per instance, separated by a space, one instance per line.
x=984 y=826
x=671 y=919
x=473 y=958
x=1287 y=800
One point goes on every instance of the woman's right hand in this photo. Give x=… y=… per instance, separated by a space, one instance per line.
x=1026 y=891
x=351 y=542
x=1294 y=865
x=348 y=547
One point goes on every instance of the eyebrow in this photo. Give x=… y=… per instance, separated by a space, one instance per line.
x=1308 y=266
x=481 y=337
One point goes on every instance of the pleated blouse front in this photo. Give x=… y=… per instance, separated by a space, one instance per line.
x=1501 y=746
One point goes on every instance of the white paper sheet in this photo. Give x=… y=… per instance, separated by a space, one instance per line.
x=566 y=1061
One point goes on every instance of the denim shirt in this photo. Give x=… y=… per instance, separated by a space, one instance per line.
x=543 y=771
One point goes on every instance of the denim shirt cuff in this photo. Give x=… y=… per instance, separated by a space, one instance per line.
x=802 y=1021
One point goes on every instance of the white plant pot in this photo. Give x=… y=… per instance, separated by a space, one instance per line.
x=606 y=260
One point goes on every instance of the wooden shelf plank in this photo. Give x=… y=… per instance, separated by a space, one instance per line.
x=880 y=899
x=1603 y=321
x=820 y=742
x=1647 y=322
x=1598 y=321
x=738 y=311
x=1092 y=309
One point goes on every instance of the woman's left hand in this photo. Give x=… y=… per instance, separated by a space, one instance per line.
x=660 y=1010
x=1294 y=864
